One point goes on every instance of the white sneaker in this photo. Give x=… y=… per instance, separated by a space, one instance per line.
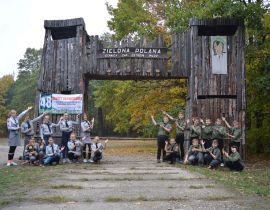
x=64 y=161
x=84 y=160
x=90 y=161
x=69 y=161
x=13 y=163
x=222 y=164
x=8 y=164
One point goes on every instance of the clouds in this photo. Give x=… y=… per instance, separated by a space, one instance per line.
x=21 y=24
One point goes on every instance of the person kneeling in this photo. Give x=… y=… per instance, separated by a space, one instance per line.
x=195 y=155
x=53 y=153
x=32 y=152
x=74 y=148
x=233 y=161
x=212 y=156
x=171 y=149
x=97 y=149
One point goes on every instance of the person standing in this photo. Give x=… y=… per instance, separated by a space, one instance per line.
x=206 y=133
x=27 y=129
x=66 y=126
x=163 y=135
x=14 y=133
x=86 y=128
x=180 y=137
x=235 y=133
x=46 y=129
x=219 y=133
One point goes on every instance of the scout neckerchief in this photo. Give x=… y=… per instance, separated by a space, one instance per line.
x=74 y=148
x=66 y=123
x=49 y=126
x=28 y=124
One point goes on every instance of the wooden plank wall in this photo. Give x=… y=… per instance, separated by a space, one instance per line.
x=230 y=100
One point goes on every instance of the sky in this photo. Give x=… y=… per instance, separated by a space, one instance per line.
x=21 y=24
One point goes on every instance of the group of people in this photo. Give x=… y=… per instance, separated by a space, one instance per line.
x=198 y=142
x=46 y=151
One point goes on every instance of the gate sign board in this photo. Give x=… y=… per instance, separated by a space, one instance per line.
x=133 y=52
x=219 y=54
x=60 y=103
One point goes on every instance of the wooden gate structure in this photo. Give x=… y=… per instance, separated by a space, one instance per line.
x=209 y=54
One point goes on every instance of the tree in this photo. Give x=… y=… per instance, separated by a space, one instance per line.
x=23 y=91
x=6 y=83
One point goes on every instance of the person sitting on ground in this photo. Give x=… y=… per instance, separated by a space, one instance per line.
x=195 y=155
x=97 y=149
x=233 y=161
x=53 y=153
x=171 y=149
x=212 y=156
x=42 y=151
x=27 y=128
x=74 y=148
x=235 y=133
x=32 y=152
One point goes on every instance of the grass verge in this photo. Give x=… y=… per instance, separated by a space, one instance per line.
x=253 y=180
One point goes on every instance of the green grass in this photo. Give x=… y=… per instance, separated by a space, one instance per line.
x=51 y=199
x=252 y=180
x=217 y=198
x=66 y=186
x=195 y=187
x=112 y=199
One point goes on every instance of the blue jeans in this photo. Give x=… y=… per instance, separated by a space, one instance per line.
x=196 y=158
x=51 y=159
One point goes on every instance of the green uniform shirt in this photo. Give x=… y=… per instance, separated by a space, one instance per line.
x=190 y=152
x=161 y=131
x=207 y=132
x=171 y=148
x=196 y=132
x=236 y=132
x=182 y=124
x=216 y=152
x=219 y=132
x=234 y=157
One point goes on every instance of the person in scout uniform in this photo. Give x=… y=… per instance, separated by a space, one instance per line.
x=233 y=161
x=219 y=133
x=66 y=126
x=46 y=129
x=206 y=132
x=27 y=129
x=53 y=153
x=195 y=129
x=98 y=148
x=32 y=151
x=86 y=127
x=194 y=155
x=74 y=147
x=14 y=133
x=163 y=135
x=171 y=149
x=212 y=156
x=235 y=133
x=180 y=137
